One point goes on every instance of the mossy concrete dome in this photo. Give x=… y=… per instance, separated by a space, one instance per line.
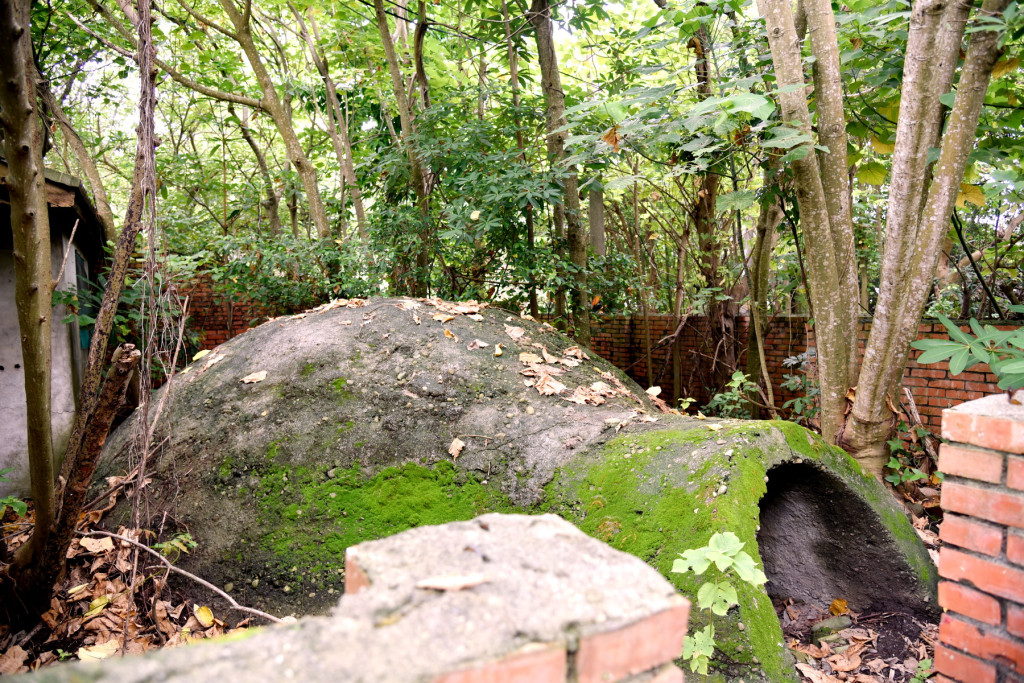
x=349 y=437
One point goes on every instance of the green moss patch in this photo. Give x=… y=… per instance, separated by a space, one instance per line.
x=312 y=516
x=654 y=496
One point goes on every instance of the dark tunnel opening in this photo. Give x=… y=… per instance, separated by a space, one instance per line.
x=819 y=541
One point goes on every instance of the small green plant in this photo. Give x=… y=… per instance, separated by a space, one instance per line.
x=805 y=406
x=725 y=552
x=733 y=402
x=685 y=403
x=904 y=454
x=12 y=502
x=182 y=543
x=64 y=655
x=924 y=670
x=1003 y=350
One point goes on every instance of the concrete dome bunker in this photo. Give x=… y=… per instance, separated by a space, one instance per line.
x=820 y=541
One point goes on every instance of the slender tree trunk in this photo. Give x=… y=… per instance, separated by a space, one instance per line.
x=920 y=200
x=554 y=97
x=901 y=305
x=595 y=207
x=85 y=161
x=26 y=587
x=271 y=202
x=830 y=302
x=768 y=221
x=416 y=175
x=337 y=121
x=513 y=72
x=30 y=225
x=307 y=173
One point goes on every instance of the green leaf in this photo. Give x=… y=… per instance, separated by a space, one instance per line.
x=726 y=542
x=748 y=571
x=735 y=201
x=620 y=182
x=1015 y=367
x=959 y=362
x=872 y=173
x=941 y=353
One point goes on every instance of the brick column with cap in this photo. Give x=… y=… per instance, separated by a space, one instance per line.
x=982 y=560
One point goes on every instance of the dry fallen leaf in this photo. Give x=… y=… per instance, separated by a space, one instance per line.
x=714 y=427
x=526 y=357
x=97 y=545
x=517 y=333
x=848 y=660
x=452 y=582
x=475 y=317
x=204 y=352
x=456 y=448
x=12 y=660
x=254 y=377
x=549 y=386
x=451 y=335
x=653 y=391
x=548 y=358
x=204 y=615
x=575 y=352
x=97 y=652
x=476 y=344
x=443 y=317
x=497 y=349
x=838 y=607
x=816 y=676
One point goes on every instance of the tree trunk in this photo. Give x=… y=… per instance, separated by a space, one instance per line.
x=513 y=72
x=595 y=207
x=901 y=304
x=920 y=201
x=337 y=121
x=554 y=97
x=271 y=203
x=85 y=161
x=307 y=173
x=26 y=588
x=416 y=176
x=768 y=221
x=33 y=278
x=830 y=302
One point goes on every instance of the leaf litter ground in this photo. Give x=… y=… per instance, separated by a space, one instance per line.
x=94 y=613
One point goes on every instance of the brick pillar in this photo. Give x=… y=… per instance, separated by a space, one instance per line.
x=982 y=561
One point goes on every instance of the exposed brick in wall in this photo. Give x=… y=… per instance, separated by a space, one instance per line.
x=620 y=340
x=217 y=317
x=981 y=565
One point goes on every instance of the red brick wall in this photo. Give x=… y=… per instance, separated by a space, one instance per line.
x=218 y=317
x=620 y=340
x=981 y=564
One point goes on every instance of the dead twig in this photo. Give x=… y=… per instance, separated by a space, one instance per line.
x=202 y=582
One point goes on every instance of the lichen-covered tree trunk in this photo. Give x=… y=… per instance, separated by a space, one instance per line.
x=920 y=203
x=554 y=98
